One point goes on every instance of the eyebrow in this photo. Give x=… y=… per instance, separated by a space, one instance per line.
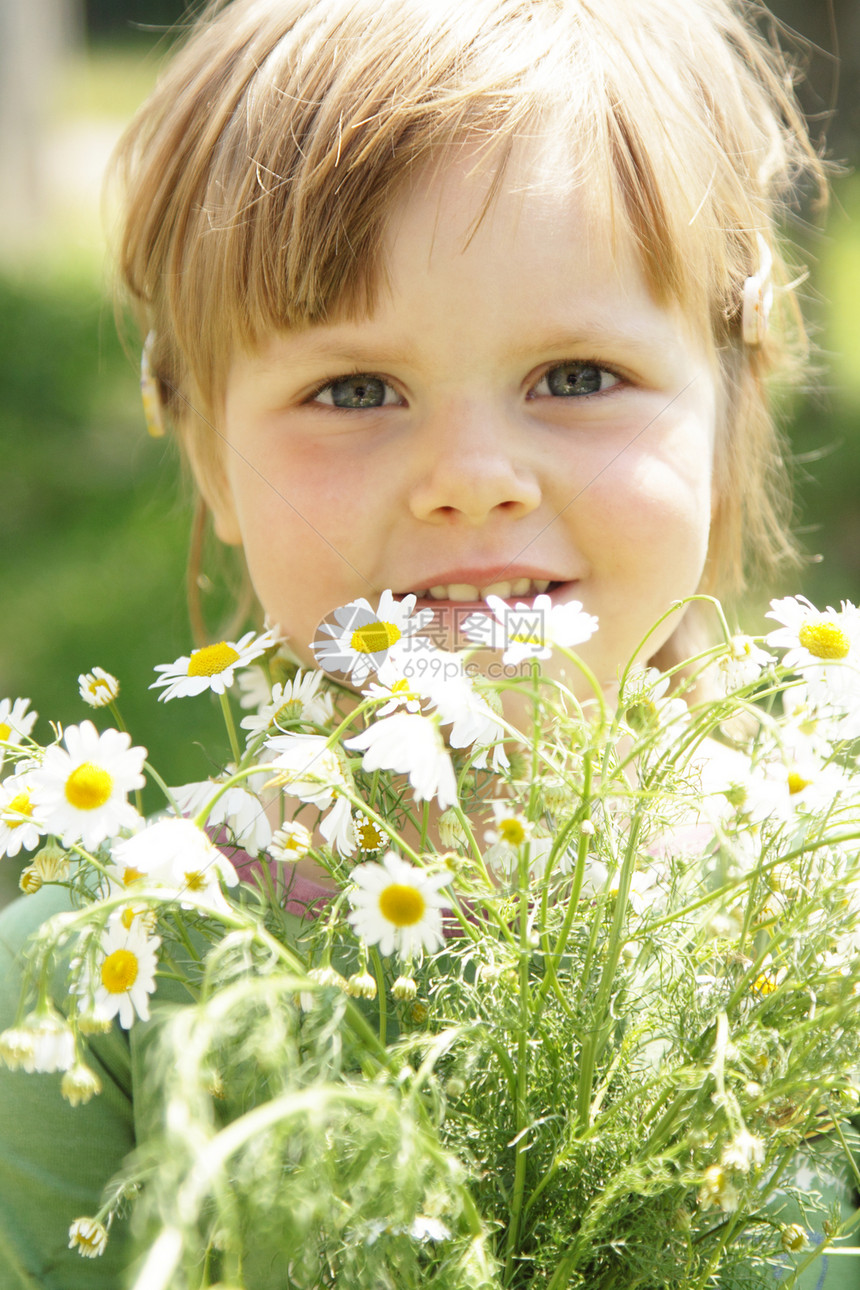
x=635 y=339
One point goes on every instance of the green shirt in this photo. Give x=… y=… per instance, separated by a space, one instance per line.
x=55 y=1159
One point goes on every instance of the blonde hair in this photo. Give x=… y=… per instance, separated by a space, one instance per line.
x=259 y=177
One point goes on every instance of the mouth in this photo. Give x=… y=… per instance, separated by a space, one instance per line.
x=474 y=595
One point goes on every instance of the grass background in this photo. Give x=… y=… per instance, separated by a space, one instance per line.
x=94 y=521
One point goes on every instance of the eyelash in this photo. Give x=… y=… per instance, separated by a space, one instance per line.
x=581 y=363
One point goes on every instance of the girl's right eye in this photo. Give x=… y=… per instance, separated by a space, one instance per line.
x=356 y=392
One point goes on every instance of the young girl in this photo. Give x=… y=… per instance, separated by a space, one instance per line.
x=456 y=300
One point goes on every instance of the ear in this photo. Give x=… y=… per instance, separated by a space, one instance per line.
x=213 y=486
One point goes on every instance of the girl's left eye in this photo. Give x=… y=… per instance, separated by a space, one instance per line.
x=575 y=379
x=361 y=390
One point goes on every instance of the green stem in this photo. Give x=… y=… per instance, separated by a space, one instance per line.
x=231 y=727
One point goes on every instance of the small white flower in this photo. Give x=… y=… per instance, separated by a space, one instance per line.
x=530 y=630
x=43 y=1042
x=98 y=688
x=368 y=834
x=718 y=1189
x=88 y=1237
x=18 y=830
x=744 y=1152
x=824 y=647
x=290 y=842
x=742 y=664
x=80 y=1085
x=238 y=809
x=361 y=636
x=307 y=767
x=337 y=827
x=398 y=906
x=393 y=685
x=15 y=723
x=175 y=854
x=79 y=792
x=296 y=700
x=210 y=668
x=124 y=975
x=411 y=745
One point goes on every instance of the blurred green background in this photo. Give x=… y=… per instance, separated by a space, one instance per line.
x=94 y=521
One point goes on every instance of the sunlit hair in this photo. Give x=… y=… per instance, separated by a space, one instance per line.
x=259 y=178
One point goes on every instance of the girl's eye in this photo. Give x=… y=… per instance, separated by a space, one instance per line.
x=570 y=380
x=359 y=391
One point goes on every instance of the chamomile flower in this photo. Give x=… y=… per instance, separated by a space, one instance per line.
x=43 y=1042
x=398 y=906
x=238 y=809
x=290 y=842
x=307 y=767
x=742 y=663
x=411 y=745
x=123 y=977
x=291 y=701
x=98 y=688
x=210 y=668
x=175 y=854
x=368 y=834
x=15 y=723
x=530 y=630
x=89 y=1237
x=824 y=647
x=393 y=686
x=79 y=792
x=362 y=636
x=18 y=830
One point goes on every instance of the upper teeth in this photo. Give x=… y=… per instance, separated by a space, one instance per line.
x=465 y=590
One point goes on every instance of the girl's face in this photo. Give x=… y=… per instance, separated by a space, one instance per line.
x=516 y=410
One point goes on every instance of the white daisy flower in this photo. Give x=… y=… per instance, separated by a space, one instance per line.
x=825 y=647
x=124 y=975
x=79 y=792
x=368 y=834
x=361 y=636
x=530 y=630
x=43 y=1042
x=18 y=830
x=238 y=809
x=411 y=745
x=210 y=668
x=98 y=688
x=393 y=685
x=290 y=842
x=15 y=723
x=254 y=686
x=88 y=1237
x=296 y=700
x=337 y=827
x=742 y=663
x=307 y=767
x=398 y=906
x=175 y=854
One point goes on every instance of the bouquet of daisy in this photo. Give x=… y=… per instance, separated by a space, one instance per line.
x=574 y=1002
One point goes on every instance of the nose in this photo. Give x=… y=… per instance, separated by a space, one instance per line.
x=471 y=466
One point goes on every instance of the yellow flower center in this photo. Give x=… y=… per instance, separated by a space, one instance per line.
x=130 y=875
x=527 y=638
x=88 y=1242
x=17 y=811
x=764 y=983
x=796 y=782
x=369 y=837
x=119 y=971
x=88 y=787
x=402 y=905
x=5 y=732
x=128 y=917
x=195 y=880
x=97 y=685
x=375 y=637
x=212 y=659
x=824 y=639
x=512 y=832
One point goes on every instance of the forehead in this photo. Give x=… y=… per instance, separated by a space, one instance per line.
x=537 y=236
